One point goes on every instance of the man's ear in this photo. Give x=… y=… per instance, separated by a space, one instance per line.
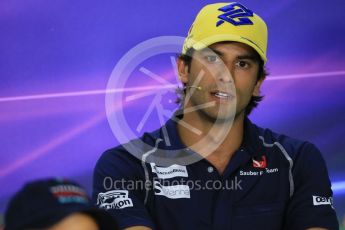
x=182 y=69
x=257 y=87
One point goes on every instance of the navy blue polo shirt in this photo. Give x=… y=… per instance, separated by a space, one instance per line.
x=271 y=182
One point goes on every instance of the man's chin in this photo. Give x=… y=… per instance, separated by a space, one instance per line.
x=221 y=117
x=226 y=119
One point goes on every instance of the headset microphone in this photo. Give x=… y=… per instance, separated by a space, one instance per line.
x=195 y=87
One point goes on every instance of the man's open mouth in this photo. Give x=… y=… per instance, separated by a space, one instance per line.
x=221 y=95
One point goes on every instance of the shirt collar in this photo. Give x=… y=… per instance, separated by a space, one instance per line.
x=251 y=141
x=171 y=138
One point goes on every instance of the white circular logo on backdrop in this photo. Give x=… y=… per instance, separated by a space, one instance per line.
x=117 y=98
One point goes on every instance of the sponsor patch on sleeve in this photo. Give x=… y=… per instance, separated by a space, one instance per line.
x=321 y=200
x=114 y=199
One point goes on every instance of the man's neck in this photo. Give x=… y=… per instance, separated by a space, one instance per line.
x=222 y=150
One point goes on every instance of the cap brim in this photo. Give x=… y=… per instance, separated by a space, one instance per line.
x=228 y=37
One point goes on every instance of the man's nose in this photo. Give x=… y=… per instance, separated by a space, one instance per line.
x=225 y=75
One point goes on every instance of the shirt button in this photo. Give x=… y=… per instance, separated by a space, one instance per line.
x=210 y=169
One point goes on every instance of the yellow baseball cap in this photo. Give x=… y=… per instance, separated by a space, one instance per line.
x=227 y=22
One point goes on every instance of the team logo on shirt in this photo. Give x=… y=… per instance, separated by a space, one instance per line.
x=260 y=163
x=115 y=199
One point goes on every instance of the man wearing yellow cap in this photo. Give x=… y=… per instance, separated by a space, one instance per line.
x=209 y=167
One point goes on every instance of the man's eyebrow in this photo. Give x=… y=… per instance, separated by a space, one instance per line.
x=248 y=56
x=219 y=53
x=210 y=50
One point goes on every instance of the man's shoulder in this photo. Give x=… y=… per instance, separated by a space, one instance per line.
x=287 y=144
x=131 y=151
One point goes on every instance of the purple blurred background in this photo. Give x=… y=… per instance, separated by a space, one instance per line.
x=50 y=48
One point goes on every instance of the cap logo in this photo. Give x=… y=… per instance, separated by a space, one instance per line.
x=69 y=194
x=236 y=14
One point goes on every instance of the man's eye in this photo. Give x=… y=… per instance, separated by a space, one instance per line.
x=212 y=58
x=242 y=64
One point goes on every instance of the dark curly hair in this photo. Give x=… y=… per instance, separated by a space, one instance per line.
x=254 y=101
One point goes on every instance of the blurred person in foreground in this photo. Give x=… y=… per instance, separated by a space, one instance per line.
x=55 y=204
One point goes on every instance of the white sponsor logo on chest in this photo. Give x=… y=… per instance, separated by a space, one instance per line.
x=172 y=192
x=169 y=172
x=259 y=173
